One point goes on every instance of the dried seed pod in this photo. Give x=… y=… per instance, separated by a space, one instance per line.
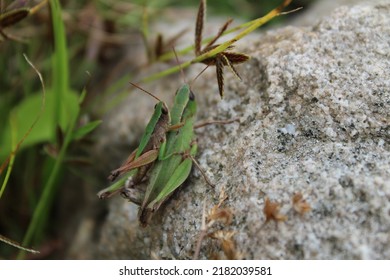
x=225 y=215
x=228 y=244
x=224 y=58
x=272 y=211
x=299 y=204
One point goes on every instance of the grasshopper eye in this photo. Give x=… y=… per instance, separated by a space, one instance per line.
x=192 y=96
x=164 y=110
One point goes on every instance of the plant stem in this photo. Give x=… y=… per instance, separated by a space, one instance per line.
x=275 y=12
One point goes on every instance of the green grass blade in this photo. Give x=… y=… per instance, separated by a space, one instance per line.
x=60 y=60
x=61 y=88
x=12 y=156
x=84 y=130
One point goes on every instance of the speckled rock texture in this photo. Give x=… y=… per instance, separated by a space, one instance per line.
x=314 y=109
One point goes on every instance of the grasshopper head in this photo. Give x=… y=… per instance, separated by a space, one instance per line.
x=183 y=94
x=164 y=108
x=183 y=98
x=192 y=95
x=165 y=116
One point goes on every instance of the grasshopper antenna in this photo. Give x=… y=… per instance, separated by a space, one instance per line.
x=182 y=71
x=197 y=76
x=147 y=92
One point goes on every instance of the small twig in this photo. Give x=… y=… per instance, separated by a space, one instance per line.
x=216 y=214
x=291 y=11
x=17 y=245
x=38 y=6
x=202 y=234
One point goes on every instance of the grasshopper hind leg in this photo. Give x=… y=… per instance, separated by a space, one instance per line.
x=134 y=191
x=134 y=195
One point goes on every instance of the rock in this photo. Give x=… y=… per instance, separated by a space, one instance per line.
x=318 y=9
x=314 y=109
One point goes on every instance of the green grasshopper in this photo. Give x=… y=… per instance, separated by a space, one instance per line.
x=173 y=152
x=172 y=159
x=151 y=147
x=170 y=172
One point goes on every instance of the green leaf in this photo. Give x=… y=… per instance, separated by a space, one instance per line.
x=82 y=96
x=84 y=130
x=45 y=129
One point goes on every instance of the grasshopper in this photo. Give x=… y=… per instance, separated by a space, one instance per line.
x=151 y=147
x=173 y=164
x=170 y=172
x=166 y=153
